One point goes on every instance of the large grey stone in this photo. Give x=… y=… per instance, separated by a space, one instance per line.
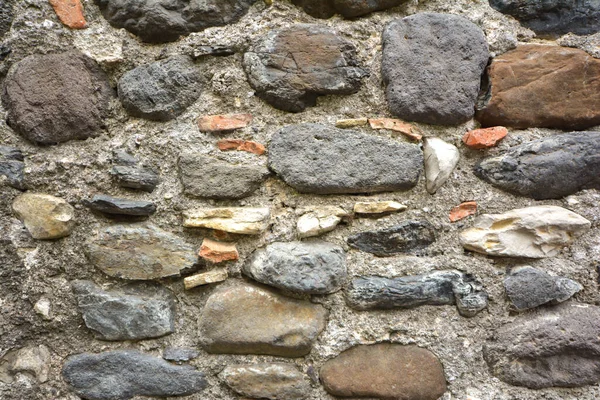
x=12 y=166
x=305 y=267
x=137 y=311
x=315 y=158
x=276 y=381
x=548 y=168
x=347 y=8
x=407 y=237
x=432 y=66
x=123 y=374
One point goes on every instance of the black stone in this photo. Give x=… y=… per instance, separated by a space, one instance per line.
x=12 y=166
x=179 y=354
x=216 y=51
x=113 y=205
x=347 y=8
x=406 y=237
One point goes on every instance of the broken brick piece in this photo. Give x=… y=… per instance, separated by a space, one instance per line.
x=242 y=145
x=484 y=138
x=217 y=252
x=463 y=210
x=221 y=123
x=395 y=125
x=70 y=13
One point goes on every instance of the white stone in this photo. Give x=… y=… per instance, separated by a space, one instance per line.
x=42 y=307
x=103 y=48
x=320 y=220
x=34 y=360
x=214 y=276
x=533 y=232
x=440 y=160
x=241 y=220
x=378 y=207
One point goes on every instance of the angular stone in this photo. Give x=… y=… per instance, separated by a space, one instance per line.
x=440 y=160
x=267 y=381
x=395 y=125
x=123 y=374
x=34 y=360
x=527 y=287
x=245 y=319
x=179 y=354
x=161 y=90
x=45 y=216
x=463 y=210
x=214 y=276
x=432 y=66
x=407 y=237
x=351 y=123
x=542 y=86
x=290 y=78
x=217 y=252
x=241 y=220
x=12 y=166
x=70 y=92
x=435 y=288
x=314 y=158
x=138 y=311
x=139 y=252
x=533 y=232
x=484 y=138
x=113 y=205
x=385 y=370
x=204 y=176
x=224 y=123
x=548 y=168
x=557 y=347
x=303 y=267
x=70 y=13
x=320 y=220
x=135 y=177
x=347 y=8
x=43 y=308
x=160 y=22
x=6 y=17
x=378 y=207
x=241 y=145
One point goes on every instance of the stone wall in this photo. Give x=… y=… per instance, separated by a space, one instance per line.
x=296 y=199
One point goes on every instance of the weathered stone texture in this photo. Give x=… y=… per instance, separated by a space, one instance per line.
x=347 y=8
x=112 y=205
x=45 y=216
x=407 y=237
x=277 y=381
x=241 y=220
x=12 y=166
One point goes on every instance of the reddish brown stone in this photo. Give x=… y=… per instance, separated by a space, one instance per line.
x=242 y=145
x=543 y=86
x=484 y=138
x=220 y=123
x=395 y=125
x=217 y=252
x=70 y=13
x=463 y=210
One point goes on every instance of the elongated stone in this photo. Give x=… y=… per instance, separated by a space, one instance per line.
x=347 y=8
x=214 y=276
x=45 y=216
x=113 y=205
x=440 y=160
x=407 y=237
x=241 y=220
x=135 y=177
x=267 y=381
x=378 y=207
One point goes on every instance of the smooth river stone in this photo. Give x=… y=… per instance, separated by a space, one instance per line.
x=407 y=237
x=44 y=216
x=276 y=381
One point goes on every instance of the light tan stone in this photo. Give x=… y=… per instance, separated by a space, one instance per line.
x=320 y=220
x=45 y=216
x=351 y=123
x=276 y=381
x=378 y=207
x=241 y=220
x=214 y=276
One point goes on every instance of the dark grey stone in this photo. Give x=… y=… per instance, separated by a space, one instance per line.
x=12 y=166
x=113 y=205
x=304 y=267
x=123 y=374
x=435 y=288
x=164 y=21
x=314 y=158
x=121 y=157
x=216 y=51
x=161 y=90
x=6 y=16
x=204 y=176
x=554 y=347
x=548 y=168
x=347 y=8
x=553 y=17
x=406 y=237
x=180 y=354
x=135 y=177
x=432 y=66
x=528 y=287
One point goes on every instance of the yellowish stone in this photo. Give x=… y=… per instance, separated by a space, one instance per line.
x=378 y=207
x=45 y=216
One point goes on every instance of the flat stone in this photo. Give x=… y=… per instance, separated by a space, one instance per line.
x=135 y=177
x=303 y=267
x=548 y=168
x=267 y=381
x=217 y=252
x=533 y=232
x=139 y=252
x=395 y=125
x=241 y=220
x=441 y=159
x=241 y=145
x=290 y=78
x=113 y=205
x=223 y=123
x=70 y=92
x=485 y=137
x=179 y=354
x=70 y=13
x=44 y=216
x=410 y=236
x=378 y=207
x=245 y=319
x=204 y=176
x=432 y=66
x=527 y=287
x=12 y=166
x=385 y=370
x=205 y=278
x=137 y=311
x=123 y=374
x=435 y=288
x=347 y=8
x=34 y=360
x=161 y=90
x=556 y=347
x=542 y=86
x=463 y=210
x=314 y=158
x=160 y=22
x=320 y=220
x=351 y=123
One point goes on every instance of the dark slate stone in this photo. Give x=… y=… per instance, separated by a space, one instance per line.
x=432 y=66
x=69 y=90
x=12 y=166
x=161 y=90
x=406 y=237
x=347 y=8
x=6 y=16
x=304 y=267
x=121 y=157
x=164 y=21
x=435 y=288
x=216 y=51
x=123 y=374
x=314 y=158
x=553 y=17
x=135 y=177
x=180 y=354
x=113 y=205
x=548 y=168
x=557 y=347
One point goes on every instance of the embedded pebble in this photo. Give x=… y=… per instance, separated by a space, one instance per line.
x=378 y=207
x=224 y=123
x=70 y=13
x=12 y=166
x=34 y=360
x=45 y=216
x=320 y=220
x=441 y=159
x=240 y=220
x=485 y=137
x=216 y=252
x=205 y=278
x=277 y=381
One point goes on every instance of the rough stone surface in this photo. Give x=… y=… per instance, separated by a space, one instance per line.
x=441 y=159
x=214 y=276
x=70 y=13
x=139 y=252
x=385 y=370
x=463 y=210
x=432 y=66
x=542 y=86
x=320 y=220
x=245 y=319
x=533 y=232
x=34 y=360
x=123 y=374
x=217 y=252
x=45 y=216
x=407 y=237
x=223 y=123
x=135 y=177
x=138 y=311
x=548 y=168
x=54 y=98
x=6 y=16
x=277 y=381
x=241 y=220
x=113 y=205
x=290 y=78
x=314 y=158
x=162 y=90
x=484 y=138
x=179 y=354
x=304 y=267
x=347 y=8
x=395 y=125
x=12 y=166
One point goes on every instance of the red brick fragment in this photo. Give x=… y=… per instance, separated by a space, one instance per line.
x=70 y=13
x=484 y=138
x=217 y=252
x=463 y=210
x=220 y=123
x=242 y=145
x=395 y=125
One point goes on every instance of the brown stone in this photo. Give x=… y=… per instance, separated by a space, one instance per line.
x=543 y=86
x=70 y=13
x=395 y=125
x=463 y=210
x=217 y=252
x=241 y=145
x=484 y=138
x=387 y=371
x=221 y=123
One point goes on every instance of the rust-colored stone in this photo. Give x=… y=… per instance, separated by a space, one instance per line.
x=217 y=252
x=463 y=210
x=221 y=123
x=241 y=145
x=395 y=125
x=484 y=138
x=70 y=13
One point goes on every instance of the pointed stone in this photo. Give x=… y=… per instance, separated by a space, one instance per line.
x=276 y=381
x=463 y=210
x=320 y=220
x=45 y=216
x=113 y=205
x=351 y=123
x=440 y=160
x=241 y=220
x=378 y=207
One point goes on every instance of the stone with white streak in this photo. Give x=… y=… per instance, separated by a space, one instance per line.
x=440 y=160
x=320 y=220
x=378 y=207
x=241 y=220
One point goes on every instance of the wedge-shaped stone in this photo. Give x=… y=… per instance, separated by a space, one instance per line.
x=242 y=220
x=440 y=160
x=533 y=232
x=378 y=207
x=407 y=237
x=45 y=216
x=320 y=220
x=245 y=319
x=276 y=381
